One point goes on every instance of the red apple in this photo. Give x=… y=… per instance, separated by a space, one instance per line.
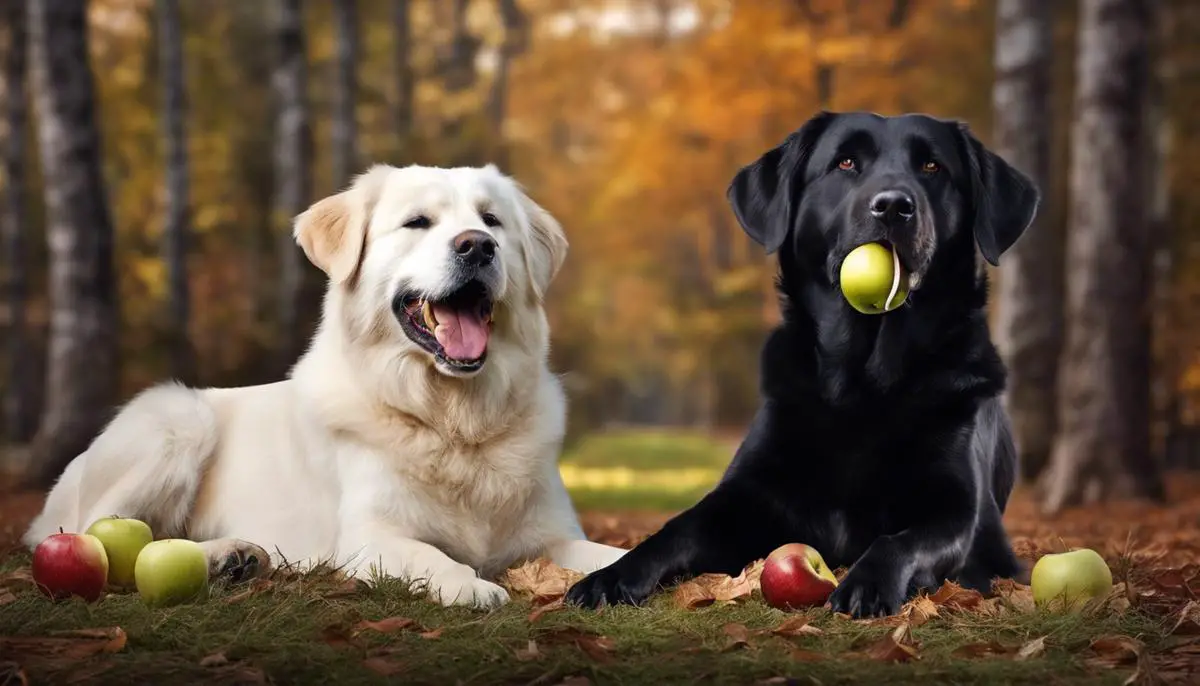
x=70 y=564
x=795 y=576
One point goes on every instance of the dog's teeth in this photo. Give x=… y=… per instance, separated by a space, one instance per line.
x=427 y=312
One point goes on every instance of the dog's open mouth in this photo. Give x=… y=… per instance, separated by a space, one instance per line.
x=454 y=329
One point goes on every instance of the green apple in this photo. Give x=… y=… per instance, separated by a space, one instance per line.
x=868 y=275
x=171 y=571
x=1069 y=580
x=123 y=539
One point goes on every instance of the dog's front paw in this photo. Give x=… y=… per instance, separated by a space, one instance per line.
x=465 y=588
x=868 y=592
x=609 y=586
x=235 y=560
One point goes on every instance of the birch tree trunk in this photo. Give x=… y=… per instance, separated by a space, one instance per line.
x=1103 y=446
x=82 y=356
x=1030 y=294
x=19 y=409
x=176 y=228
x=345 y=93
x=293 y=173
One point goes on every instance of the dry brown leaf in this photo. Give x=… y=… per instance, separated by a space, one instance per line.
x=64 y=645
x=1032 y=649
x=918 y=611
x=17 y=578
x=1115 y=650
x=802 y=655
x=888 y=649
x=552 y=606
x=388 y=625
x=796 y=626
x=383 y=666
x=529 y=652
x=348 y=588
x=985 y=649
x=338 y=636
x=433 y=634
x=1187 y=623
x=597 y=647
x=214 y=660
x=709 y=588
x=6 y=597
x=739 y=636
x=692 y=594
x=541 y=579
x=955 y=597
x=1015 y=596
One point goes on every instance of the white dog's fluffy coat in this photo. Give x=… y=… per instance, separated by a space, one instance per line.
x=372 y=454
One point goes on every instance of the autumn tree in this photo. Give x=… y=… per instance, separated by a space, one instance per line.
x=1030 y=294
x=293 y=173
x=82 y=359
x=405 y=79
x=1103 y=445
x=345 y=92
x=19 y=411
x=176 y=228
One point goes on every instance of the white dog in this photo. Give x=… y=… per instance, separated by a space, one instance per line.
x=418 y=436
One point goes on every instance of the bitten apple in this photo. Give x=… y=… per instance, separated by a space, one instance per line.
x=170 y=571
x=123 y=539
x=1069 y=580
x=70 y=564
x=795 y=576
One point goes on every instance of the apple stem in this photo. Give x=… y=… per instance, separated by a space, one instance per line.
x=60 y=530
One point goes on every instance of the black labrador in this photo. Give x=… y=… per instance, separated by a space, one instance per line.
x=881 y=439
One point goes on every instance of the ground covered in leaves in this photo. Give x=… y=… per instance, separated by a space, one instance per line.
x=319 y=628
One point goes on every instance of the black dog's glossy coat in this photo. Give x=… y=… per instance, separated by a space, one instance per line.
x=880 y=439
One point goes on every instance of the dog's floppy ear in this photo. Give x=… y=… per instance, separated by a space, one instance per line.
x=333 y=231
x=1004 y=198
x=546 y=249
x=764 y=193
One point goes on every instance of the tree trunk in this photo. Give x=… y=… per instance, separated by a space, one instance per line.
x=293 y=160
x=19 y=408
x=1103 y=446
x=405 y=82
x=1029 y=330
x=345 y=93
x=176 y=228
x=82 y=364
x=516 y=41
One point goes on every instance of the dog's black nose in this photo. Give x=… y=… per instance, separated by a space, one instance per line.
x=475 y=247
x=894 y=208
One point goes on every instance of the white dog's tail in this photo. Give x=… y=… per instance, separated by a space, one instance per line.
x=147 y=464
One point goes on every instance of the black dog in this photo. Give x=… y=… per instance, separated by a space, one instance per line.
x=880 y=440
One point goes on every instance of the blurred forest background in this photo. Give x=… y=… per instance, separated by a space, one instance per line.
x=153 y=153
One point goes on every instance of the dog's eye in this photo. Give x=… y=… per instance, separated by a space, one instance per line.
x=846 y=164
x=930 y=167
x=490 y=219
x=418 y=222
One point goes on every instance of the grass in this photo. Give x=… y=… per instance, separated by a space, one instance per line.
x=643 y=469
x=300 y=630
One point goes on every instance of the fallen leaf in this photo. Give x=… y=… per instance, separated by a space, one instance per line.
x=888 y=649
x=802 y=655
x=214 y=660
x=541 y=579
x=709 y=588
x=1032 y=649
x=389 y=625
x=433 y=633
x=383 y=666
x=1115 y=650
x=739 y=635
x=338 y=636
x=529 y=652
x=1187 y=624
x=347 y=589
x=796 y=626
x=692 y=594
x=63 y=645
x=1015 y=596
x=956 y=597
x=6 y=597
x=597 y=647
x=985 y=649
x=17 y=578
x=552 y=606
x=918 y=611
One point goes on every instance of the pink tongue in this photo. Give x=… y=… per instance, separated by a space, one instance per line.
x=462 y=334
